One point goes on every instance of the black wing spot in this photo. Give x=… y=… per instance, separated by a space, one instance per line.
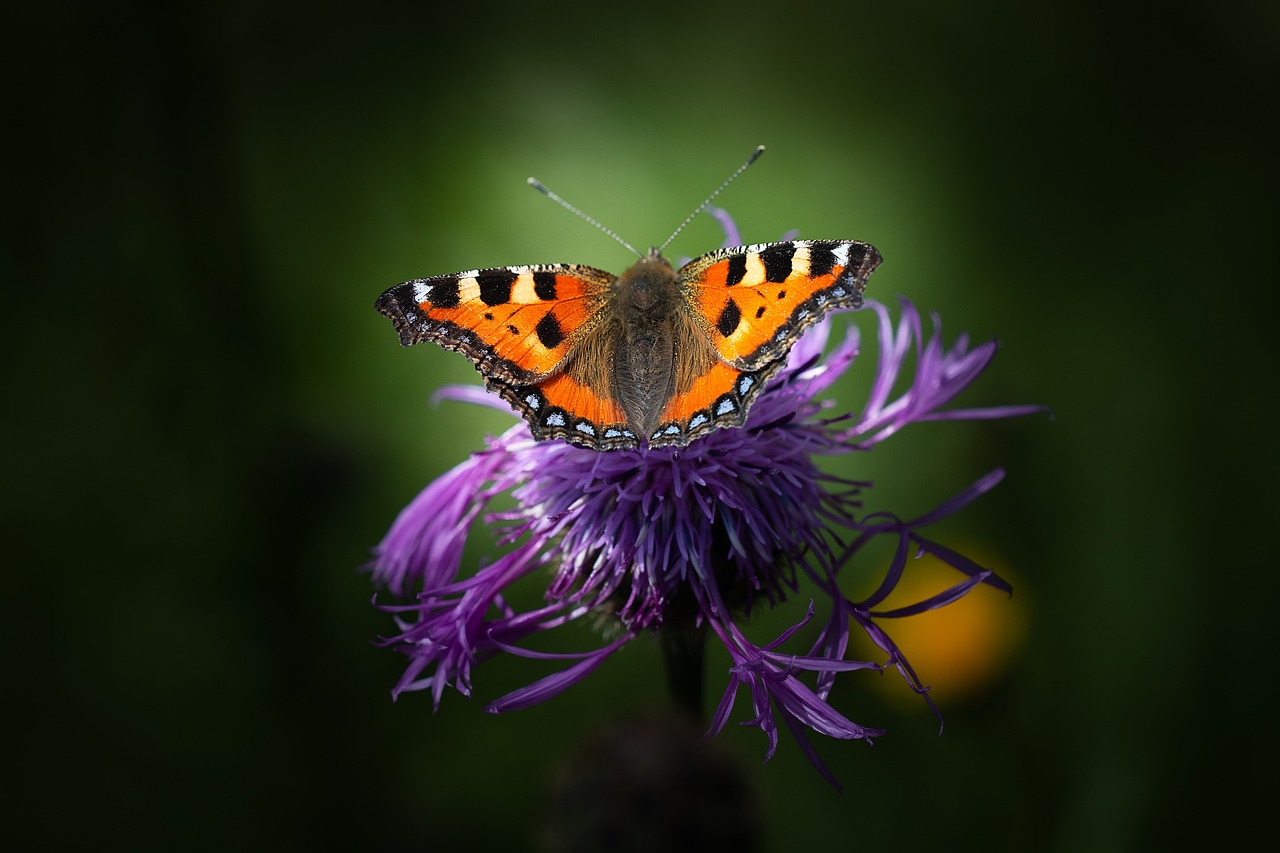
x=544 y=285
x=759 y=312
x=513 y=329
x=495 y=287
x=444 y=293
x=821 y=260
x=782 y=294
x=729 y=319
x=777 y=262
x=737 y=270
x=549 y=332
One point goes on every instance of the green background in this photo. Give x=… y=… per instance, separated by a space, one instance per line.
x=209 y=426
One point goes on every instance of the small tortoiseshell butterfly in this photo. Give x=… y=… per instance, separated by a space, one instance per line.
x=655 y=357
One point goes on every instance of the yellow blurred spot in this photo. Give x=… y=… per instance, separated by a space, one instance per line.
x=960 y=650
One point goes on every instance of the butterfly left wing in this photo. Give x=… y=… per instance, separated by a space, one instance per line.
x=757 y=300
x=517 y=325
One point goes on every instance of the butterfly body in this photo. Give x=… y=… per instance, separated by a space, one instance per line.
x=650 y=348
x=654 y=357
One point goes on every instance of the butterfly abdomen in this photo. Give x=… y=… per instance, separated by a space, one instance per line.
x=643 y=376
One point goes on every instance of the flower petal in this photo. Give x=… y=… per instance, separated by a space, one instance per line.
x=552 y=685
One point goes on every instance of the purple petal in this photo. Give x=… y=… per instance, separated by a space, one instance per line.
x=933 y=602
x=473 y=394
x=731 y=236
x=552 y=685
x=958 y=502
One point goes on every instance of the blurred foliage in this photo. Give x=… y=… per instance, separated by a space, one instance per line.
x=210 y=425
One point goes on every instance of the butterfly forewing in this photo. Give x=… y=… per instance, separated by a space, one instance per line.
x=516 y=324
x=758 y=299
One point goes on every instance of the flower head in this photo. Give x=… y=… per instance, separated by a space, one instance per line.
x=655 y=539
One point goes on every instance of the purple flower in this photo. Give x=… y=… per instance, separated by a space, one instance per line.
x=668 y=540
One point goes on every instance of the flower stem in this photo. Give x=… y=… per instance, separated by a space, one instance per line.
x=683 y=651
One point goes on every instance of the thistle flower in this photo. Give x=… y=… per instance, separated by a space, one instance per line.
x=682 y=542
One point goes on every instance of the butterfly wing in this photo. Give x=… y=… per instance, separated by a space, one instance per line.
x=758 y=300
x=718 y=398
x=752 y=303
x=517 y=325
x=563 y=407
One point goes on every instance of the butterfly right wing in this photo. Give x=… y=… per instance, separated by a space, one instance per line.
x=757 y=300
x=517 y=325
x=752 y=304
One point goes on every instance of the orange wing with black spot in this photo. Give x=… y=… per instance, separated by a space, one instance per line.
x=516 y=324
x=753 y=303
x=757 y=300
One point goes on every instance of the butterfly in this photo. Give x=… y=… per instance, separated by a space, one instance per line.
x=654 y=357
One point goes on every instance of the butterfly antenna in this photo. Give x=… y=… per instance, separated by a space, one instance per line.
x=538 y=185
x=755 y=155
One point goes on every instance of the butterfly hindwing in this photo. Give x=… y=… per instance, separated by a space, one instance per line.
x=758 y=299
x=516 y=324
x=562 y=407
x=719 y=398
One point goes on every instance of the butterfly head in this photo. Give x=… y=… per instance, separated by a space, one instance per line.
x=649 y=286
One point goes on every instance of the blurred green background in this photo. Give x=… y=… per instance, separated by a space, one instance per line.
x=210 y=426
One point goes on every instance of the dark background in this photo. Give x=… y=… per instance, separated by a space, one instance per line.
x=209 y=426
